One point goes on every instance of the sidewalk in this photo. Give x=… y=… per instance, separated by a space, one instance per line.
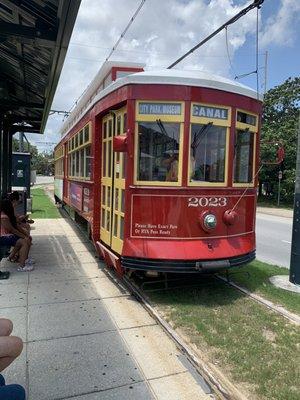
x=279 y=212
x=85 y=338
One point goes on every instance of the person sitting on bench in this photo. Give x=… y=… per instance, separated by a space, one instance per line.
x=23 y=221
x=12 y=236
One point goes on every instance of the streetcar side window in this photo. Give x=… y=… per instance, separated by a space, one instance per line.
x=207 y=153
x=79 y=150
x=59 y=161
x=243 y=157
x=88 y=165
x=118 y=125
x=125 y=122
x=158 y=151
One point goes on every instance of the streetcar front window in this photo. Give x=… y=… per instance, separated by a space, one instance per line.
x=158 y=151
x=243 y=157
x=207 y=153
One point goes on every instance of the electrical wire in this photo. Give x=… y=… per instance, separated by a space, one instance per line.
x=227 y=49
x=244 y=11
x=125 y=30
x=257 y=68
x=114 y=48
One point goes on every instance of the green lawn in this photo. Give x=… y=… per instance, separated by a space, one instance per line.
x=42 y=206
x=272 y=203
x=258 y=282
x=257 y=349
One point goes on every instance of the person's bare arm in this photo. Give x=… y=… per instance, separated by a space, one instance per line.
x=9 y=228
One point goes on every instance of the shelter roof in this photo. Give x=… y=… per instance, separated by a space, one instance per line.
x=34 y=37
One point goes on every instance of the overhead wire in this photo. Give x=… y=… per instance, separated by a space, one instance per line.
x=126 y=29
x=115 y=46
x=244 y=11
x=256 y=3
x=227 y=49
x=256 y=71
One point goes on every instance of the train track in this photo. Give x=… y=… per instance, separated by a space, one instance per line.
x=267 y=303
x=221 y=387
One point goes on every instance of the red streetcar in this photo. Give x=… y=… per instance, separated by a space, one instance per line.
x=160 y=166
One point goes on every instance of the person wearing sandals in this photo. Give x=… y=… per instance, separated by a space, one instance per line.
x=12 y=236
x=10 y=348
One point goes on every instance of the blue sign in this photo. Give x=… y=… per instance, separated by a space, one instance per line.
x=210 y=112
x=160 y=108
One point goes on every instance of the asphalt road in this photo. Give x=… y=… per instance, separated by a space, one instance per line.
x=273 y=239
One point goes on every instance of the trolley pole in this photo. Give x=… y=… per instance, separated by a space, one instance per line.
x=295 y=248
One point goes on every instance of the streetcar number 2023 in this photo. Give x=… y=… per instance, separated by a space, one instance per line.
x=207 y=202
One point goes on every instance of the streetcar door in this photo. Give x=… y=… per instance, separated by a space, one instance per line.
x=119 y=186
x=107 y=178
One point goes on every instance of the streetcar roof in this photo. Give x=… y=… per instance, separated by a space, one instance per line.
x=153 y=77
x=192 y=78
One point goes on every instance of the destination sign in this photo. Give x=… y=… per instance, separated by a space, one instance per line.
x=160 y=108
x=209 y=112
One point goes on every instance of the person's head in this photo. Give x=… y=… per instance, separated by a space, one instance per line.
x=14 y=197
x=7 y=208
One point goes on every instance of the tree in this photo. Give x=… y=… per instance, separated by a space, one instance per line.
x=43 y=162
x=279 y=125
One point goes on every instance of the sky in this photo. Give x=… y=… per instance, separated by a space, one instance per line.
x=165 y=30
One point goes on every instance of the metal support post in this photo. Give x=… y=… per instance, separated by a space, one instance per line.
x=5 y=160
x=1 y=154
x=9 y=166
x=279 y=182
x=295 y=250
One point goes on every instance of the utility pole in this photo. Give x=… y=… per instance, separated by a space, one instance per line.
x=266 y=71
x=295 y=248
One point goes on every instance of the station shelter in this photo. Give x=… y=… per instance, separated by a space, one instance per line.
x=34 y=38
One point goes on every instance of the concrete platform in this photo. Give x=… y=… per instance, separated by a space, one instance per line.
x=86 y=338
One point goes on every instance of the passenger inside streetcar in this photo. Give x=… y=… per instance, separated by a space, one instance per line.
x=171 y=164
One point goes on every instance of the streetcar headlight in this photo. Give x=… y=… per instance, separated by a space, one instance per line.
x=210 y=221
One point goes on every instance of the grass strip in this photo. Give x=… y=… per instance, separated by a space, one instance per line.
x=255 y=277
x=42 y=206
x=257 y=349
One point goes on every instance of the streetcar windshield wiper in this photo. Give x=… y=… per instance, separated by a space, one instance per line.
x=197 y=137
x=164 y=132
x=161 y=127
x=236 y=142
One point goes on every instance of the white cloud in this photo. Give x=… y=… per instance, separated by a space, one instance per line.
x=161 y=33
x=280 y=29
